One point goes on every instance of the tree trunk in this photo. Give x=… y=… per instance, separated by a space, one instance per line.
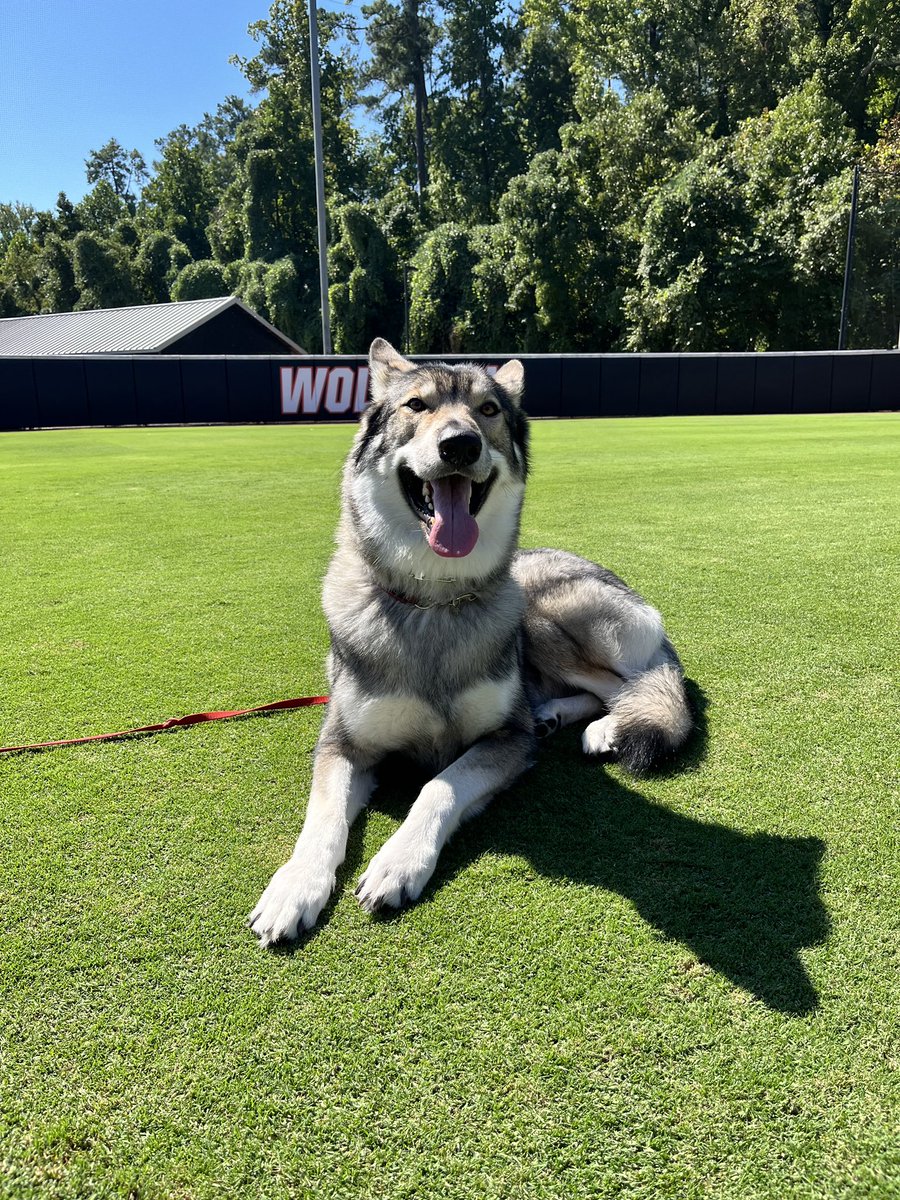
x=421 y=121
x=421 y=96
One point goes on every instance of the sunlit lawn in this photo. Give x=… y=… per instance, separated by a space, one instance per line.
x=681 y=987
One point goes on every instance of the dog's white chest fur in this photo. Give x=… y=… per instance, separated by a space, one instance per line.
x=398 y=722
x=485 y=706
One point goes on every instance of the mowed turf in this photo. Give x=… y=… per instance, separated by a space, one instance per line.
x=684 y=986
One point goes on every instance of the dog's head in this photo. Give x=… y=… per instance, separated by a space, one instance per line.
x=437 y=471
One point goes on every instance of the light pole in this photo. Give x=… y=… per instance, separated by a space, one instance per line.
x=848 y=261
x=320 y=173
x=405 y=309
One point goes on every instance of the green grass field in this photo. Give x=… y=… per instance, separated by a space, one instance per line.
x=681 y=987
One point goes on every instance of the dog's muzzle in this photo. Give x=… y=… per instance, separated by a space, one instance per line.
x=447 y=508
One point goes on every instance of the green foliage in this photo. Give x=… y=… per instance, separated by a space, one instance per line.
x=182 y=194
x=463 y=280
x=743 y=248
x=195 y=168
x=127 y=234
x=475 y=150
x=202 y=280
x=101 y=210
x=59 y=292
x=267 y=211
x=103 y=273
x=247 y=279
x=157 y=263
x=291 y=304
x=122 y=170
x=282 y=68
x=16 y=218
x=365 y=295
x=557 y=263
x=697 y=270
x=398 y=216
x=488 y=321
x=795 y=161
x=279 y=292
x=440 y=290
x=586 y=176
x=20 y=279
x=573 y=221
x=543 y=89
x=875 y=298
x=402 y=40
x=68 y=222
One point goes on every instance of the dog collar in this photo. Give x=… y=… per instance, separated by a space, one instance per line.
x=454 y=603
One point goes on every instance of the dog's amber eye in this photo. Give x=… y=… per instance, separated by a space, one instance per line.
x=416 y=404
x=489 y=409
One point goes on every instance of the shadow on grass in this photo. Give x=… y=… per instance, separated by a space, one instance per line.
x=744 y=904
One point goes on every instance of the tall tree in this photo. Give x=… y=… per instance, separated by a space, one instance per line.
x=543 y=89
x=268 y=212
x=573 y=221
x=875 y=298
x=700 y=286
x=402 y=39
x=158 y=261
x=743 y=248
x=281 y=67
x=100 y=210
x=20 y=275
x=190 y=175
x=59 y=292
x=440 y=290
x=16 y=218
x=103 y=273
x=200 y=281
x=124 y=170
x=366 y=298
x=476 y=151
x=68 y=223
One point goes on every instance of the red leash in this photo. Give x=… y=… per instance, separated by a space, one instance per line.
x=193 y=719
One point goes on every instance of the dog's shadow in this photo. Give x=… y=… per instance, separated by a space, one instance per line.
x=745 y=904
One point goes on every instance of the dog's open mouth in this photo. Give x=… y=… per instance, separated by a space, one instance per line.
x=447 y=509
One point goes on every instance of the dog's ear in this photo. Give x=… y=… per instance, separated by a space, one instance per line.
x=383 y=360
x=511 y=377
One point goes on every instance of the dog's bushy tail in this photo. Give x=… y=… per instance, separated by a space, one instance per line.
x=652 y=717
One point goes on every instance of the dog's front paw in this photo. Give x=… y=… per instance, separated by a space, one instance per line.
x=396 y=875
x=292 y=902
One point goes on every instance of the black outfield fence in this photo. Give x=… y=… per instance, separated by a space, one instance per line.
x=162 y=389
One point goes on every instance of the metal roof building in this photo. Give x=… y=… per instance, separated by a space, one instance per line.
x=224 y=325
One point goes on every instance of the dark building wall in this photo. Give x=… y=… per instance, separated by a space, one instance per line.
x=233 y=331
x=171 y=389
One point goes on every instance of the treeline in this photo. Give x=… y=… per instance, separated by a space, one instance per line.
x=563 y=177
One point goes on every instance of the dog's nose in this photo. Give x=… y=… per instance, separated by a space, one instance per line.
x=460 y=449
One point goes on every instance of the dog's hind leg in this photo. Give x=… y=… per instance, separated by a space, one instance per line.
x=299 y=890
x=649 y=716
x=565 y=710
x=402 y=867
x=603 y=687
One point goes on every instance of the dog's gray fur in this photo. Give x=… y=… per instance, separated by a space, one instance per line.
x=459 y=661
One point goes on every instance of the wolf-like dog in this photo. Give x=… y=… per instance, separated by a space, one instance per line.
x=450 y=646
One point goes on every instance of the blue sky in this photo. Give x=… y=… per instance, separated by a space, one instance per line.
x=74 y=73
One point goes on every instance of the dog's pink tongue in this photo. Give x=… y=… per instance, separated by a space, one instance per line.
x=454 y=531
